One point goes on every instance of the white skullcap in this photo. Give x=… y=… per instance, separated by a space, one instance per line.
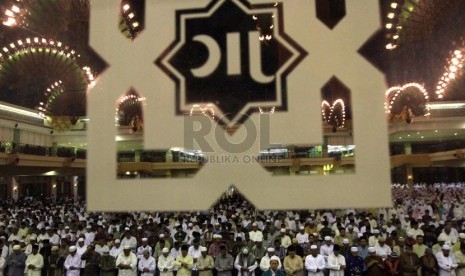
x=126 y=229
x=270 y=249
x=162 y=236
x=376 y=231
x=274 y=258
x=66 y=227
x=371 y=249
x=72 y=248
x=80 y=239
x=283 y=230
x=327 y=238
x=203 y=249
x=313 y=247
x=165 y=250
x=139 y=228
x=462 y=235
x=446 y=247
x=117 y=241
x=16 y=247
x=354 y=249
x=346 y=241
x=144 y=239
x=245 y=251
x=48 y=228
x=301 y=228
x=127 y=247
x=254 y=224
x=89 y=227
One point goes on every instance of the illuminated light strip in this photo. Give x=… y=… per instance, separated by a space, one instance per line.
x=389 y=101
x=394 y=26
x=20 y=111
x=339 y=102
x=454 y=70
x=262 y=111
x=442 y=106
x=196 y=108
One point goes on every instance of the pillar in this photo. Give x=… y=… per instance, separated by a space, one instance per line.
x=53 y=186
x=408 y=148
x=12 y=188
x=137 y=153
x=74 y=186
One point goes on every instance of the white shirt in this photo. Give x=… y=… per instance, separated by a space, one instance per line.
x=166 y=262
x=302 y=238
x=383 y=251
x=132 y=242
x=447 y=265
x=80 y=251
x=265 y=263
x=147 y=263
x=130 y=260
x=335 y=263
x=114 y=251
x=312 y=264
x=140 y=251
x=254 y=235
x=74 y=261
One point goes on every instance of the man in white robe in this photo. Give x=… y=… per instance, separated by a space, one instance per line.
x=446 y=261
x=315 y=263
x=147 y=264
x=73 y=262
x=166 y=263
x=126 y=262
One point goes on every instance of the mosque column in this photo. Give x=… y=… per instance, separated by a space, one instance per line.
x=137 y=153
x=52 y=187
x=74 y=187
x=409 y=173
x=12 y=188
x=408 y=148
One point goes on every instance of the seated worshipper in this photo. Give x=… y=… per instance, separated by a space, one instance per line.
x=34 y=262
x=374 y=263
x=274 y=270
x=245 y=263
x=107 y=264
x=16 y=262
x=205 y=263
x=293 y=263
x=224 y=263
x=127 y=262
x=146 y=264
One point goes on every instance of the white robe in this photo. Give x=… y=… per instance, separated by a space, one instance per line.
x=38 y=261
x=166 y=262
x=314 y=263
x=130 y=260
x=335 y=263
x=447 y=265
x=147 y=263
x=73 y=261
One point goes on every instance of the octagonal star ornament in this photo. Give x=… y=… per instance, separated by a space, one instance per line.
x=232 y=57
x=229 y=57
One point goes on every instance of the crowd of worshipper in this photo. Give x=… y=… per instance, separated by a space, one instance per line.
x=423 y=233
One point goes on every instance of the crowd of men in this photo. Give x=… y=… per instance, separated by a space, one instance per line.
x=422 y=234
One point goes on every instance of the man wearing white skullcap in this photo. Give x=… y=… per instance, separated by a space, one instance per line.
x=265 y=261
x=147 y=264
x=144 y=246
x=302 y=236
x=315 y=263
x=245 y=263
x=374 y=263
x=126 y=262
x=255 y=234
x=274 y=270
x=205 y=263
x=446 y=261
x=116 y=248
x=73 y=262
x=165 y=263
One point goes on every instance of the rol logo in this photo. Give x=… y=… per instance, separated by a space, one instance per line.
x=230 y=58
